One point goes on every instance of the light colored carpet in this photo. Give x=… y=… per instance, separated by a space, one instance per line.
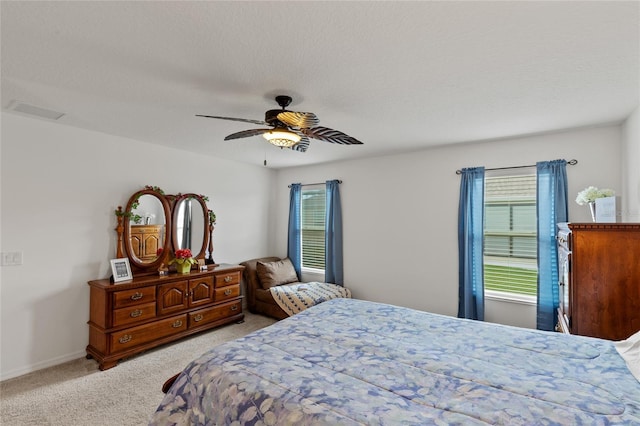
x=76 y=393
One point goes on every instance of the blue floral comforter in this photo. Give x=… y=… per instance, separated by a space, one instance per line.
x=347 y=361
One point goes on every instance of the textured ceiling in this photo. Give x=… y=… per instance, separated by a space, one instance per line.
x=399 y=76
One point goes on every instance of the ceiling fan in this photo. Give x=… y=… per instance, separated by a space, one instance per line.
x=289 y=129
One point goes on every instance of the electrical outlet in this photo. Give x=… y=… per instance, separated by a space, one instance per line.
x=11 y=258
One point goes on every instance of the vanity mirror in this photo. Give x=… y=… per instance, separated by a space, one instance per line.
x=190 y=224
x=154 y=225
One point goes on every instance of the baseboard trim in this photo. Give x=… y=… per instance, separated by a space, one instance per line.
x=12 y=374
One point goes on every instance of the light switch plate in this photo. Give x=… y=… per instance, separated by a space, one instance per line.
x=11 y=258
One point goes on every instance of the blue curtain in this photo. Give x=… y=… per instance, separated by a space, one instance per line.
x=294 y=242
x=551 y=209
x=470 y=244
x=333 y=234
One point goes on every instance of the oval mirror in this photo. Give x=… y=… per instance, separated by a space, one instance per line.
x=191 y=225
x=146 y=234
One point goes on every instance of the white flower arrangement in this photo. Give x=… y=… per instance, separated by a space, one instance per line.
x=590 y=194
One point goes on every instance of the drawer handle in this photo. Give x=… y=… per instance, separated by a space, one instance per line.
x=228 y=292
x=228 y=279
x=234 y=308
x=136 y=296
x=124 y=339
x=177 y=324
x=198 y=317
x=136 y=313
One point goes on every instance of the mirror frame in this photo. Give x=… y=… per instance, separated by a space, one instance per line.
x=136 y=264
x=169 y=206
x=205 y=226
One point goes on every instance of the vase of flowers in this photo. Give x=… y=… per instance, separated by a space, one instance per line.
x=183 y=260
x=589 y=196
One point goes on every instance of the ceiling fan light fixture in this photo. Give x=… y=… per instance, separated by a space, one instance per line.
x=282 y=137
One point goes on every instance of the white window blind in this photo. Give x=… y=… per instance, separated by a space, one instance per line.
x=313 y=218
x=510 y=252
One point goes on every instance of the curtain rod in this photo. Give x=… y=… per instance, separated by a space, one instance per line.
x=571 y=162
x=309 y=184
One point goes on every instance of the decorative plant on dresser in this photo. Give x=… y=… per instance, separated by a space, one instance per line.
x=156 y=307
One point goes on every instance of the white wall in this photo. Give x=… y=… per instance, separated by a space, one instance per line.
x=60 y=186
x=400 y=212
x=630 y=162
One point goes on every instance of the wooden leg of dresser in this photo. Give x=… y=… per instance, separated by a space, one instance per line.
x=105 y=365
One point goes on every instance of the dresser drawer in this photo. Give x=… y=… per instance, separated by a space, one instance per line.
x=136 y=296
x=133 y=314
x=146 y=229
x=228 y=292
x=135 y=336
x=227 y=279
x=205 y=316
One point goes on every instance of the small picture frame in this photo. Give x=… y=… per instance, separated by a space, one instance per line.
x=121 y=270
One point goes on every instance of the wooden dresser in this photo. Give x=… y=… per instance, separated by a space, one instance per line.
x=130 y=317
x=146 y=240
x=599 y=279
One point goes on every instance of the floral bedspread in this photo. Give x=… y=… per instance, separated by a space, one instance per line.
x=346 y=362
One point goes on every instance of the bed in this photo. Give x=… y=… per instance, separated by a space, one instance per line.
x=349 y=361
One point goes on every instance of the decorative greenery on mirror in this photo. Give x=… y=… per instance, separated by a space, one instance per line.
x=154 y=225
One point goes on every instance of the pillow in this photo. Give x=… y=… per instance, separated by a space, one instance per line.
x=630 y=350
x=276 y=273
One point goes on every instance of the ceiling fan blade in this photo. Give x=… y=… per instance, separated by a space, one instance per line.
x=302 y=145
x=247 y=133
x=298 y=119
x=244 y=120
x=329 y=135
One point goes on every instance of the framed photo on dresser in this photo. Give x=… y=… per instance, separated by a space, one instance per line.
x=121 y=270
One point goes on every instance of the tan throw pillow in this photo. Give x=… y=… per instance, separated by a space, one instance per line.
x=276 y=273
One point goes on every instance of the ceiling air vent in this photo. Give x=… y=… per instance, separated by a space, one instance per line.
x=34 y=110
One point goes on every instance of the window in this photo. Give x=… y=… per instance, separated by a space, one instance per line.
x=510 y=240
x=313 y=219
